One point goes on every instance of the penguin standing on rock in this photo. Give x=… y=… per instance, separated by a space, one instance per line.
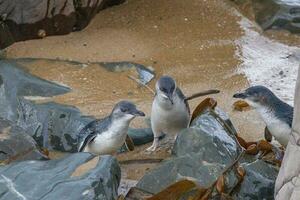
x=106 y=136
x=170 y=109
x=277 y=114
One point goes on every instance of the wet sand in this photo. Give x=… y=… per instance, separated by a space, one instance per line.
x=193 y=41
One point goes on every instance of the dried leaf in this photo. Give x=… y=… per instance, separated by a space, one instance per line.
x=206 y=195
x=241 y=171
x=220 y=185
x=241 y=105
x=252 y=149
x=263 y=145
x=242 y=142
x=206 y=103
x=176 y=190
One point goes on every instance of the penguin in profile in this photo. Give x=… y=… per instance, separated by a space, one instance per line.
x=277 y=115
x=106 y=136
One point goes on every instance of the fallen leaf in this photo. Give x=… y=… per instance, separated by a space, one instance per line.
x=252 y=149
x=206 y=103
x=241 y=105
x=263 y=145
x=220 y=185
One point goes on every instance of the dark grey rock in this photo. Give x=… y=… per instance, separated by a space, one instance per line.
x=275 y=14
x=53 y=126
x=203 y=152
x=145 y=74
x=259 y=181
x=16 y=145
x=53 y=179
x=29 y=19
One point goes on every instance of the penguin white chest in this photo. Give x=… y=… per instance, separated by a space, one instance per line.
x=170 y=120
x=109 y=141
x=279 y=129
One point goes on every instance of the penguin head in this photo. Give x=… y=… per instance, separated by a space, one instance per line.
x=126 y=110
x=166 y=88
x=257 y=96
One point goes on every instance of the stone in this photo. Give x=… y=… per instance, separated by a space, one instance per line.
x=273 y=14
x=16 y=145
x=202 y=152
x=23 y=20
x=58 y=179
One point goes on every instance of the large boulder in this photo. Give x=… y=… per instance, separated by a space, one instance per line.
x=16 y=145
x=52 y=125
x=29 y=19
x=58 y=179
x=273 y=14
x=203 y=152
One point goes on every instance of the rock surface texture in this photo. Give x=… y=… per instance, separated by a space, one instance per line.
x=30 y=19
x=273 y=14
x=56 y=179
x=202 y=152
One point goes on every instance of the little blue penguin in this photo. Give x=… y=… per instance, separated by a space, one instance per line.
x=106 y=136
x=170 y=109
x=277 y=115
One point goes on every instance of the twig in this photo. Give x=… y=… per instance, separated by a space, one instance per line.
x=200 y=94
x=141 y=83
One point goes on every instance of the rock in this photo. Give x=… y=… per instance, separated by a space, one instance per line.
x=274 y=14
x=145 y=74
x=24 y=20
x=16 y=145
x=53 y=126
x=57 y=179
x=203 y=152
x=259 y=181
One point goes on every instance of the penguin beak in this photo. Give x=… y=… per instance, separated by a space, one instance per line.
x=240 y=95
x=170 y=97
x=138 y=113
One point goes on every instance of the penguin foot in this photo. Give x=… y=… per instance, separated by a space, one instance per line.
x=152 y=148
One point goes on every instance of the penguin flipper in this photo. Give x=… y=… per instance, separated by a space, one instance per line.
x=89 y=138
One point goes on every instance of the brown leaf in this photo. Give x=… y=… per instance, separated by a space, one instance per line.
x=241 y=105
x=206 y=195
x=206 y=103
x=220 y=185
x=252 y=149
x=263 y=145
x=242 y=142
x=129 y=143
x=241 y=171
x=176 y=190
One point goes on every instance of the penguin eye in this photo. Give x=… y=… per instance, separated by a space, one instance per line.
x=124 y=110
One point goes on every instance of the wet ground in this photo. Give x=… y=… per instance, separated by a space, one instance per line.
x=202 y=44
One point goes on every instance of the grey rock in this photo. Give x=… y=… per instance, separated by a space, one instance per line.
x=54 y=179
x=53 y=126
x=16 y=145
x=203 y=152
x=29 y=19
x=275 y=14
x=259 y=181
